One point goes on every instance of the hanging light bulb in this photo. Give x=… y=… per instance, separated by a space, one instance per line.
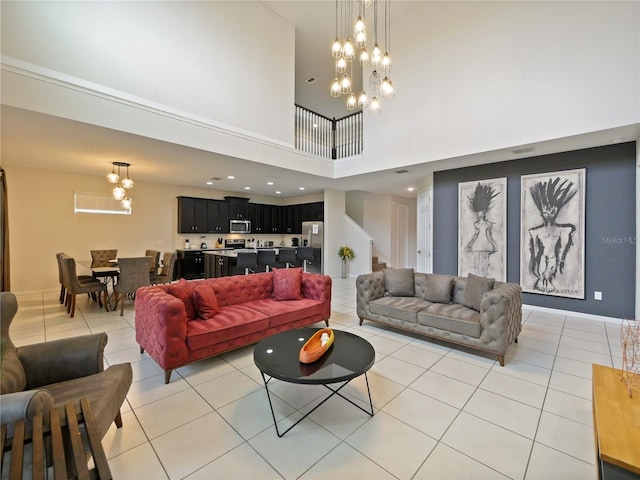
x=127 y=182
x=345 y=84
x=366 y=3
x=113 y=177
x=376 y=57
x=363 y=100
x=341 y=65
x=359 y=26
x=348 y=51
x=387 y=90
x=336 y=48
x=386 y=62
x=335 y=88
x=352 y=102
x=126 y=203
x=364 y=57
x=374 y=82
x=118 y=192
x=361 y=39
x=374 y=107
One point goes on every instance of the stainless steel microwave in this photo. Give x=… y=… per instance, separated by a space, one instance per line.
x=240 y=226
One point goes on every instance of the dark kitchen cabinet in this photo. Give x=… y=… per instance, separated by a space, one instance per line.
x=317 y=211
x=217 y=216
x=190 y=264
x=192 y=215
x=238 y=208
x=291 y=219
x=257 y=217
x=275 y=218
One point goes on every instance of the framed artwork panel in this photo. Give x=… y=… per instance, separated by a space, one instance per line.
x=552 y=216
x=482 y=228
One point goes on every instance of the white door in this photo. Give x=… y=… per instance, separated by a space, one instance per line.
x=425 y=262
x=402 y=239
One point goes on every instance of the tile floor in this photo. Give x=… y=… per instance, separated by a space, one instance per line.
x=441 y=412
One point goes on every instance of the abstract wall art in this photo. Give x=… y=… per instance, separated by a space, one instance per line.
x=482 y=229
x=552 y=233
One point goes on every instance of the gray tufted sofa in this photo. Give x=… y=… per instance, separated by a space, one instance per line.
x=493 y=328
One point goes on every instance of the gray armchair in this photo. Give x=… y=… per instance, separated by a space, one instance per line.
x=42 y=376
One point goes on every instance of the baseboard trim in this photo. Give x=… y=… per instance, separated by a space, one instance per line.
x=586 y=316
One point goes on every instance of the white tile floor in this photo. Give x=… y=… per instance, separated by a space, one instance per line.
x=442 y=412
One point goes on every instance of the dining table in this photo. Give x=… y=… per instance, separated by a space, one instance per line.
x=109 y=275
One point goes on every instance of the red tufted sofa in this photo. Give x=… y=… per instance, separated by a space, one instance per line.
x=174 y=333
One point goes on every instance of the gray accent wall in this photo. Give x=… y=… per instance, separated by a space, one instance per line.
x=610 y=224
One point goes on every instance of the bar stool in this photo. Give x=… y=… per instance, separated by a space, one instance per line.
x=266 y=258
x=248 y=261
x=287 y=256
x=306 y=255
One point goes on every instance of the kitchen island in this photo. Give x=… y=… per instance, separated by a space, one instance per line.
x=224 y=263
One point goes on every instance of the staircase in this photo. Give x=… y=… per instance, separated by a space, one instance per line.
x=376 y=266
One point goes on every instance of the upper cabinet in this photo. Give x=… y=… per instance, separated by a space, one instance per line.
x=238 y=208
x=218 y=216
x=192 y=215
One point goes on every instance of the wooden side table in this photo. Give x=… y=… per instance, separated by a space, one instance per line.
x=616 y=425
x=66 y=456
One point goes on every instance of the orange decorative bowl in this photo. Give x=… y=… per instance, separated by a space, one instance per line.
x=314 y=349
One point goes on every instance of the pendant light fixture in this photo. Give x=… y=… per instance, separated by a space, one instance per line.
x=119 y=192
x=345 y=54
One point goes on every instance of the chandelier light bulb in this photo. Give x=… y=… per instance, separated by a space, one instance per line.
x=341 y=65
x=375 y=82
x=345 y=84
x=387 y=90
x=113 y=177
x=363 y=100
x=366 y=3
x=335 y=88
x=348 y=50
x=126 y=203
x=119 y=193
x=336 y=48
x=376 y=56
x=386 y=62
x=352 y=102
x=361 y=39
x=359 y=26
x=127 y=183
x=364 y=57
x=374 y=107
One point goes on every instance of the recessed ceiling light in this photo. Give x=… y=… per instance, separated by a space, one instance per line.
x=269 y=183
x=230 y=177
x=411 y=189
x=209 y=182
x=247 y=188
x=300 y=188
x=278 y=192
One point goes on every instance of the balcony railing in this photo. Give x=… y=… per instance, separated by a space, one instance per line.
x=328 y=137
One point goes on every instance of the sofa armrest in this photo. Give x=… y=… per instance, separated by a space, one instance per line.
x=501 y=315
x=318 y=287
x=24 y=406
x=64 y=359
x=161 y=326
x=368 y=287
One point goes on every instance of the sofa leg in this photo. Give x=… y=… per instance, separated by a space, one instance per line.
x=361 y=320
x=118 y=420
x=326 y=322
x=141 y=350
x=501 y=360
x=516 y=340
x=167 y=375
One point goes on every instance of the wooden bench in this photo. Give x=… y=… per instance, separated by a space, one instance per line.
x=68 y=442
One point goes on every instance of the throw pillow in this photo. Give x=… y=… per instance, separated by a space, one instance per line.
x=205 y=301
x=475 y=289
x=183 y=291
x=438 y=288
x=287 y=283
x=398 y=282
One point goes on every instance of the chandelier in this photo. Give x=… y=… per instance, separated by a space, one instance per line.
x=123 y=185
x=344 y=52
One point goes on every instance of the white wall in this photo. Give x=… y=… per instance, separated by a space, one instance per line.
x=210 y=59
x=474 y=77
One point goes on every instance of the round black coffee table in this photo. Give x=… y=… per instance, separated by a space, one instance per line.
x=349 y=357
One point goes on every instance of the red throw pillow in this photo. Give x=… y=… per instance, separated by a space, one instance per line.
x=205 y=301
x=287 y=283
x=183 y=290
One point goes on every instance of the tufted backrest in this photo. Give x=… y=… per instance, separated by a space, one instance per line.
x=242 y=288
x=13 y=378
x=155 y=260
x=100 y=258
x=134 y=273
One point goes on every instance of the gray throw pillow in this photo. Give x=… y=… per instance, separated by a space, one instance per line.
x=438 y=288
x=398 y=282
x=475 y=289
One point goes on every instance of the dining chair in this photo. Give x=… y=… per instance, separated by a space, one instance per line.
x=248 y=261
x=134 y=273
x=100 y=258
x=81 y=278
x=165 y=274
x=155 y=260
x=306 y=255
x=74 y=286
x=287 y=256
x=266 y=259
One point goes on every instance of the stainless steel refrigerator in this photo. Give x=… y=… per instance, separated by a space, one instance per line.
x=313 y=236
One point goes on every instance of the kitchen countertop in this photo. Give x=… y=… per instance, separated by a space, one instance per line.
x=234 y=253
x=202 y=249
